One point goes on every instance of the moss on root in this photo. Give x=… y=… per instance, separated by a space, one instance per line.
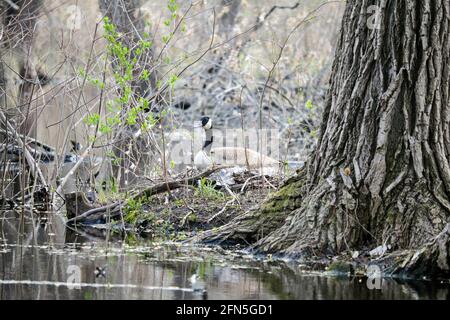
x=247 y=228
x=288 y=198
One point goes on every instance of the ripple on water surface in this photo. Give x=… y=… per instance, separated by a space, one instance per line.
x=47 y=261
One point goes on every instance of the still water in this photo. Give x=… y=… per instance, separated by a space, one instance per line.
x=41 y=259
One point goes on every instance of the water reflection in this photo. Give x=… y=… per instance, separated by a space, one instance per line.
x=40 y=259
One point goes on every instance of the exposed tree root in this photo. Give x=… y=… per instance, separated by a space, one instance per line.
x=432 y=259
x=258 y=223
x=333 y=218
x=380 y=172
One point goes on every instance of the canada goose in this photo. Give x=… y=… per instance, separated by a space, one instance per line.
x=229 y=155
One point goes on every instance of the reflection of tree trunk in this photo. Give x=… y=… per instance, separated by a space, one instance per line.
x=380 y=172
x=292 y=280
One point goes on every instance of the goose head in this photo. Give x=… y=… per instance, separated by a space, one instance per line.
x=206 y=123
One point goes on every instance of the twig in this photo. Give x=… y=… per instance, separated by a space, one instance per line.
x=221 y=211
x=268 y=182
x=156 y=189
x=34 y=168
x=12 y=4
x=96 y=134
x=247 y=181
x=162 y=187
x=230 y=192
x=295 y=6
x=191 y=211
x=73 y=169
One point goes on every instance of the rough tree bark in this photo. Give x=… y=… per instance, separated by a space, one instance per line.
x=380 y=172
x=2 y=43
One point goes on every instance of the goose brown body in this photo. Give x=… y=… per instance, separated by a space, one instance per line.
x=237 y=156
x=241 y=157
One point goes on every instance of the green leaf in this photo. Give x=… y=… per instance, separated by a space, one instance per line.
x=82 y=72
x=104 y=128
x=172 y=80
x=144 y=75
x=92 y=119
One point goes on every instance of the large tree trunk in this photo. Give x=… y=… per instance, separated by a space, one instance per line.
x=2 y=45
x=380 y=173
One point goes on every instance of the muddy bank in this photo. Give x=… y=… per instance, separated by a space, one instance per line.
x=178 y=214
x=183 y=215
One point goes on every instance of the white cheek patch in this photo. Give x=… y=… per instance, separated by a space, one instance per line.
x=208 y=125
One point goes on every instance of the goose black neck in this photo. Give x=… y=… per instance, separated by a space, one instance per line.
x=208 y=140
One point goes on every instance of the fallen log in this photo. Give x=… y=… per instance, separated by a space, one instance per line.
x=91 y=212
x=6 y=203
x=77 y=202
x=31 y=140
x=172 y=185
x=14 y=153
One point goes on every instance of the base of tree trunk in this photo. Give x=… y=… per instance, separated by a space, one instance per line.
x=432 y=260
x=258 y=223
x=332 y=219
